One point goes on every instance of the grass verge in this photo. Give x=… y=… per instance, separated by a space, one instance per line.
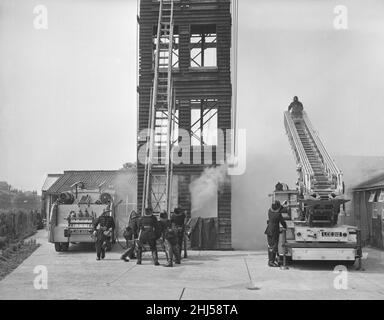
x=14 y=255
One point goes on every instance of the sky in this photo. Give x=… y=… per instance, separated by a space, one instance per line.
x=292 y=48
x=68 y=92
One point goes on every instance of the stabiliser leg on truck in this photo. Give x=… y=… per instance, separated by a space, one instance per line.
x=284 y=266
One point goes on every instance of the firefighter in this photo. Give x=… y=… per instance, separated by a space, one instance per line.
x=103 y=228
x=296 y=106
x=131 y=233
x=178 y=224
x=272 y=231
x=279 y=186
x=147 y=234
x=169 y=236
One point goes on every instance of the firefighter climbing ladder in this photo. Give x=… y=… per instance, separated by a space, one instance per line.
x=161 y=122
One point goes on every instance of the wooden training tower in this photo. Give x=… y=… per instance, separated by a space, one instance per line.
x=184 y=85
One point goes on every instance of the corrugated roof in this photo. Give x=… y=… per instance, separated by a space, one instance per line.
x=372 y=183
x=50 y=180
x=93 y=179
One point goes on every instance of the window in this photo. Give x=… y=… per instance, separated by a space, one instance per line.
x=381 y=197
x=163 y=53
x=204 y=122
x=203 y=46
x=372 y=197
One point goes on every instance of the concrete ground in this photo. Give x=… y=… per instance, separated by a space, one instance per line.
x=204 y=275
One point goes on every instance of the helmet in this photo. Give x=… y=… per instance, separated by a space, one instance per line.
x=163 y=215
x=148 y=211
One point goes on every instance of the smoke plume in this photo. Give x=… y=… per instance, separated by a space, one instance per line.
x=204 y=190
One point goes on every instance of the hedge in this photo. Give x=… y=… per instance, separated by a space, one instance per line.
x=18 y=224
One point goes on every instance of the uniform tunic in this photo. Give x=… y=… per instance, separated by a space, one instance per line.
x=105 y=222
x=297 y=108
x=132 y=232
x=148 y=227
x=177 y=221
x=273 y=228
x=170 y=239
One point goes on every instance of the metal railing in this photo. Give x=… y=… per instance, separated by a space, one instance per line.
x=330 y=166
x=300 y=153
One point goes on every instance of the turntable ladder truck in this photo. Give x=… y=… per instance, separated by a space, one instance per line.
x=312 y=209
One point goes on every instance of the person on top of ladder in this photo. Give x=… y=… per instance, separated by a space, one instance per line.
x=296 y=106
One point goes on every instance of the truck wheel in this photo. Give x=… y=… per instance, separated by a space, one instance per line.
x=64 y=246
x=57 y=246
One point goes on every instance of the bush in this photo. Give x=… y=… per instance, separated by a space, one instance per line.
x=18 y=224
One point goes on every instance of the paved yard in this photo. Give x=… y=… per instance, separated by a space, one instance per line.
x=204 y=275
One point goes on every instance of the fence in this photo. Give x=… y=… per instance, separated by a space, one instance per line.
x=18 y=224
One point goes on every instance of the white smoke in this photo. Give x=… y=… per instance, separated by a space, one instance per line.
x=205 y=188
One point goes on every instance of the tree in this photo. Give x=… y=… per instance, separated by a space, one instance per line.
x=5 y=200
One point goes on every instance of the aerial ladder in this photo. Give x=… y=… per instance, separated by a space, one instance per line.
x=312 y=210
x=162 y=116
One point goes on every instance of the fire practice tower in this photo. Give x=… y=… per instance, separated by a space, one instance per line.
x=184 y=106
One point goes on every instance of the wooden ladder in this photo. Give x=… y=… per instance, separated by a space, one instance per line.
x=162 y=117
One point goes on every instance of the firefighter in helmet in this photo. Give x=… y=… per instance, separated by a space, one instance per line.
x=147 y=235
x=103 y=228
x=296 y=106
x=169 y=236
x=178 y=224
x=272 y=231
x=131 y=233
